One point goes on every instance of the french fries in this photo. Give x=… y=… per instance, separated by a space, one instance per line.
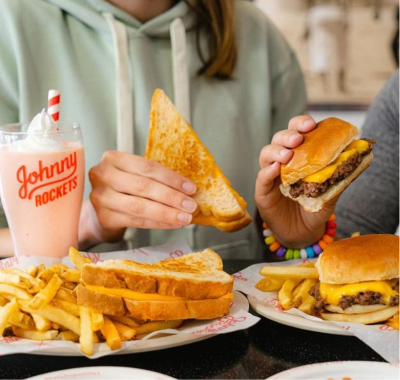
x=394 y=322
x=270 y=284
x=292 y=284
x=46 y=294
x=111 y=334
x=39 y=303
x=86 y=337
x=125 y=332
x=289 y=272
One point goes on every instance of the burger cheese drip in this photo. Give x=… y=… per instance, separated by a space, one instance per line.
x=318 y=183
x=363 y=293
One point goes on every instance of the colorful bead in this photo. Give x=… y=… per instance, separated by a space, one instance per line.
x=281 y=252
x=267 y=233
x=331 y=225
x=317 y=249
x=270 y=239
x=330 y=232
x=289 y=254
x=274 y=246
x=310 y=252
x=303 y=253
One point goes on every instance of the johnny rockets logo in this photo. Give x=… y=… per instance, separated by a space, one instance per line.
x=60 y=176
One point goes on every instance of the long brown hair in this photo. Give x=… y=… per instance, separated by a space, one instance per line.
x=216 y=19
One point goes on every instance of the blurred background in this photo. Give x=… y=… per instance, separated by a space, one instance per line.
x=347 y=50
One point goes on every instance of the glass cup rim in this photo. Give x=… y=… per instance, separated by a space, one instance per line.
x=71 y=127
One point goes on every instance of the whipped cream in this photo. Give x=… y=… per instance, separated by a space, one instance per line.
x=43 y=136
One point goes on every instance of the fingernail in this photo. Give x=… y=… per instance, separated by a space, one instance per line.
x=284 y=152
x=189 y=206
x=184 y=218
x=189 y=187
x=294 y=137
x=308 y=123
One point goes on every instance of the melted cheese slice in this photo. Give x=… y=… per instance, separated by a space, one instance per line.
x=333 y=293
x=359 y=146
x=137 y=296
x=130 y=294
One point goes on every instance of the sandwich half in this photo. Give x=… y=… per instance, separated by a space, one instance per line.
x=327 y=161
x=173 y=143
x=359 y=279
x=193 y=286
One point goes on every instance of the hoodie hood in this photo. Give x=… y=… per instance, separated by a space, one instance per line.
x=90 y=12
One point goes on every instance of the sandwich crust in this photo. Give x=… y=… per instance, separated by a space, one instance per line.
x=320 y=147
x=193 y=276
x=360 y=259
x=153 y=310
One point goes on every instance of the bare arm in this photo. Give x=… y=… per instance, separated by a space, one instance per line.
x=6 y=246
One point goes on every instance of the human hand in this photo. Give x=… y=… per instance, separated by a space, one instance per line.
x=290 y=223
x=132 y=191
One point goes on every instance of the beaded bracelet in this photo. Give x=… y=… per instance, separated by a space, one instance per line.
x=301 y=253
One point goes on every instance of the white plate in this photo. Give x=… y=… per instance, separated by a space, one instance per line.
x=357 y=370
x=294 y=320
x=101 y=373
x=152 y=344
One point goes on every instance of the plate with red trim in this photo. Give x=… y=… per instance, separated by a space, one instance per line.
x=153 y=342
x=294 y=320
x=349 y=370
x=102 y=373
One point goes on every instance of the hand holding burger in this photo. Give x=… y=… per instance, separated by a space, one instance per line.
x=311 y=164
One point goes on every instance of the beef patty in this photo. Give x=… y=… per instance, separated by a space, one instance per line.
x=314 y=189
x=363 y=298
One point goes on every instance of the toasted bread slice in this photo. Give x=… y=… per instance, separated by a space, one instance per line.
x=173 y=143
x=153 y=310
x=193 y=276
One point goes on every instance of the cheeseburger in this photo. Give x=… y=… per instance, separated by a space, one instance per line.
x=359 y=279
x=327 y=161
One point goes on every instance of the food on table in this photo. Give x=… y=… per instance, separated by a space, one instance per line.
x=354 y=280
x=190 y=286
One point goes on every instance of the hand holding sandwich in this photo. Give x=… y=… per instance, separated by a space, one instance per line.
x=132 y=191
x=291 y=224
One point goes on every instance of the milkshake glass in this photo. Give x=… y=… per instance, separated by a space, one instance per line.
x=41 y=185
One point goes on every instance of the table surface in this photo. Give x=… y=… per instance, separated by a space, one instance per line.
x=257 y=353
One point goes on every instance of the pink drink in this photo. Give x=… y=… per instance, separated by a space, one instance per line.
x=41 y=192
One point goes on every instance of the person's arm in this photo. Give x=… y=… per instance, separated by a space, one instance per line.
x=371 y=204
x=6 y=245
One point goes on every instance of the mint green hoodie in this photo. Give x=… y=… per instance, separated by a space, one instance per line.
x=107 y=65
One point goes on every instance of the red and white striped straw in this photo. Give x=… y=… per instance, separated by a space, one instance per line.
x=53 y=105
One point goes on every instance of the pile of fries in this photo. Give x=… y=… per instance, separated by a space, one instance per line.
x=39 y=303
x=292 y=285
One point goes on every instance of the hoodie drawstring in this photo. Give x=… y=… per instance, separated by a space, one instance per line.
x=181 y=86
x=125 y=128
x=180 y=67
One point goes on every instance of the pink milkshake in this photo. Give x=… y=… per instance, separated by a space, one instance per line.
x=41 y=185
